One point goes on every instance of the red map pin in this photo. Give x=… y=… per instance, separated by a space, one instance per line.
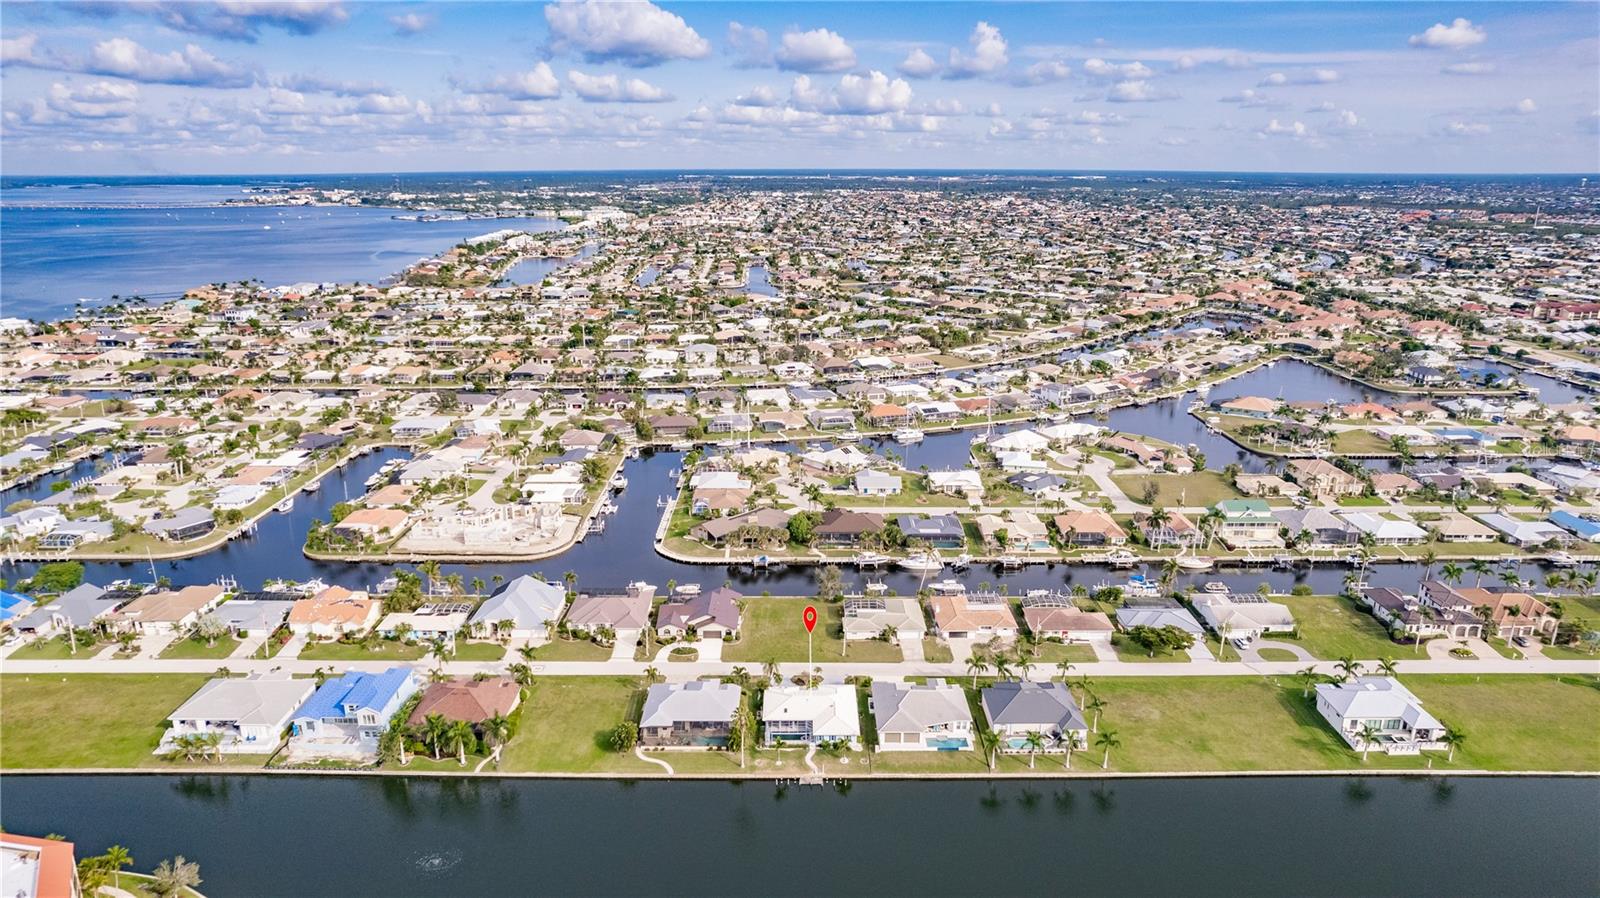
x=810 y=617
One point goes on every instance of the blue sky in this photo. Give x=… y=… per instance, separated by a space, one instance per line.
x=307 y=86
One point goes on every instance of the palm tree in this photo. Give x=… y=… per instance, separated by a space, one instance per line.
x=430 y=570
x=1095 y=705
x=1307 y=675
x=1063 y=668
x=434 y=732
x=1072 y=740
x=1348 y=667
x=976 y=665
x=1024 y=667
x=652 y=675
x=1481 y=568
x=1453 y=737
x=743 y=729
x=116 y=858
x=1452 y=572
x=1369 y=735
x=1386 y=667
x=1002 y=667
x=174 y=876
x=1107 y=740
x=458 y=737
x=1035 y=743
x=496 y=730
x=989 y=741
x=770 y=670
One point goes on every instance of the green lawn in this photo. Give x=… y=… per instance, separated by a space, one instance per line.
x=384 y=650
x=571 y=650
x=1512 y=723
x=87 y=720
x=773 y=630
x=192 y=648
x=479 y=651
x=54 y=649
x=936 y=652
x=567 y=723
x=1128 y=651
x=1270 y=654
x=1052 y=652
x=1332 y=627
x=1201 y=488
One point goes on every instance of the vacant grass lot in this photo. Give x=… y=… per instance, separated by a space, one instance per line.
x=385 y=650
x=55 y=649
x=197 y=648
x=567 y=724
x=479 y=651
x=773 y=631
x=1202 y=488
x=571 y=650
x=87 y=720
x=1332 y=627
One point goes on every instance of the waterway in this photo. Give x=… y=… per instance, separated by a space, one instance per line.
x=98 y=242
x=328 y=836
x=534 y=271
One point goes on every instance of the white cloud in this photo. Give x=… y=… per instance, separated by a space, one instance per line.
x=1469 y=68
x=386 y=104
x=1252 y=98
x=1135 y=92
x=1110 y=71
x=635 y=34
x=1292 y=130
x=1305 y=76
x=819 y=50
x=613 y=89
x=18 y=49
x=802 y=95
x=316 y=84
x=98 y=99
x=410 y=23
x=1458 y=35
x=190 y=66
x=537 y=83
x=987 y=57
x=748 y=45
x=871 y=93
x=1348 y=118
x=918 y=64
x=1045 y=72
x=1465 y=129
x=1525 y=106
x=760 y=95
x=240 y=20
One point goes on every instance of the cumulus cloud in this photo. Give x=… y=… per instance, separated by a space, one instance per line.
x=918 y=64
x=760 y=95
x=634 y=34
x=614 y=89
x=1347 y=118
x=1045 y=72
x=19 y=50
x=537 y=83
x=239 y=20
x=1252 y=98
x=1137 y=91
x=316 y=84
x=748 y=46
x=1464 y=129
x=871 y=93
x=1525 y=106
x=819 y=50
x=1458 y=35
x=1292 y=130
x=987 y=56
x=99 y=99
x=410 y=23
x=804 y=95
x=1305 y=76
x=1111 y=71
x=191 y=66
x=387 y=104
x=1469 y=68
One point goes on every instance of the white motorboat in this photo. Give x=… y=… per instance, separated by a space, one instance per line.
x=285 y=506
x=947 y=587
x=1562 y=559
x=962 y=562
x=907 y=436
x=869 y=559
x=619 y=482
x=851 y=436
x=1194 y=563
x=1010 y=562
x=1122 y=558
x=922 y=563
x=1216 y=587
x=687 y=589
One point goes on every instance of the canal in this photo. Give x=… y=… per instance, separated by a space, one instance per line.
x=402 y=836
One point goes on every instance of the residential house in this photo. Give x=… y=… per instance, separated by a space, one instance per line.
x=78 y=607
x=1415 y=620
x=1248 y=524
x=1402 y=725
x=1324 y=480
x=1050 y=617
x=843 y=527
x=434 y=622
x=697 y=714
x=249 y=713
x=961 y=616
x=870 y=617
x=523 y=609
x=347 y=714
x=1089 y=527
x=930 y=717
x=799 y=715
x=711 y=615
x=1243 y=615
x=465 y=699
x=938 y=531
x=1017 y=708
x=333 y=612
x=876 y=483
x=625 y=613
x=1158 y=614
x=167 y=611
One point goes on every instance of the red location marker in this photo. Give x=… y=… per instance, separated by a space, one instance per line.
x=810 y=617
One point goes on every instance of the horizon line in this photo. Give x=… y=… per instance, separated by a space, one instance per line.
x=798 y=170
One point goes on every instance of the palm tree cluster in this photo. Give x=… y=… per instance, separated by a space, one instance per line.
x=193 y=746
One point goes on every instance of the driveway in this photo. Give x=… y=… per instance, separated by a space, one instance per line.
x=911 y=650
x=627 y=641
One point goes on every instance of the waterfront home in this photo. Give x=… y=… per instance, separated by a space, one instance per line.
x=1325 y=527
x=967 y=483
x=1409 y=615
x=377 y=524
x=711 y=615
x=187 y=523
x=937 y=531
x=827 y=712
x=1323 y=480
x=78 y=607
x=250 y=713
x=869 y=617
x=166 y=611
x=1250 y=406
x=1584 y=528
x=1090 y=527
x=1385 y=531
x=1402 y=725
x=437 y=622
x=1016 y=709
x=1248 y=524
x=931 y=717
x=253 y=618
x=962 y=616
x=843 y=527
x=523 y=609
x=1263 y=485
x=1509 y=614
x=333 y=612
x=1243 y=615
x=1526 y=534
x=761 y=528
x=347 y=714
x=1456 y=527
x=697 y=714
x=39 y=868
x=419 y=428
x=1176 y=530
x=1165 y=613
x=872 y=482
x=624 y=613
x=467 y=699
x=1015 y=531
x=1049 y=617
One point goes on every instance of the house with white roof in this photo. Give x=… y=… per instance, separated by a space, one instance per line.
x=1386 y=531
x=250 y=713
x=797 y=715
x=1402 y=725
x=1242 y=616
x=697 y=714
x=931 y=717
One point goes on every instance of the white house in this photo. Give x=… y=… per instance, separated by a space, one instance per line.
x=932 y=717
x=795 y=714
x=251 y=714
x=1403 y=726
x=1242 y=616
